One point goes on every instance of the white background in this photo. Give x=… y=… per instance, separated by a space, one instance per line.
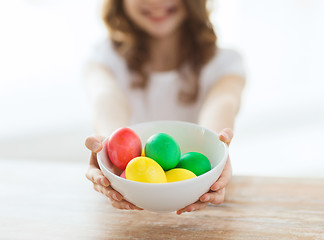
x=279 y=131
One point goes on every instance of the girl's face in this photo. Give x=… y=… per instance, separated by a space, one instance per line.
x=158 y=18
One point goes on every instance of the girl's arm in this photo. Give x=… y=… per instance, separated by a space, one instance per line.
x=222 y=103
x=110 y=111
x=218 y=114
x=109 y=103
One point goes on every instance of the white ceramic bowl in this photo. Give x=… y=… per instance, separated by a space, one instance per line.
x=168 y=197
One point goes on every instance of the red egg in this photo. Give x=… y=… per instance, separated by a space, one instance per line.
x=123 y=145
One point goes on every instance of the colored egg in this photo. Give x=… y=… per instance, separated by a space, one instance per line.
x=143 y=153
x=164 y=150
x=194 y=162
x=144 y=169
x=123 y=174
x=123 y=145
x=179 y=174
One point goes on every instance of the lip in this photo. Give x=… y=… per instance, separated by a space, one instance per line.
x=159 y=19
x=168 y=12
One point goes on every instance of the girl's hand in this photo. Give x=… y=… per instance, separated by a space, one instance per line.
x=216 y=194
x=100 y=182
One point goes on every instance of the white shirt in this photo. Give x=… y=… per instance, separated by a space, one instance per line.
x=160 y=100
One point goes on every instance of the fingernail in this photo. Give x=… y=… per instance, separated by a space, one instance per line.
x=115 y=197
x=96 y=180
x=205 y=199
x=225 y=135
x=213 y=188
x=104 y=182
x=179 y=212
x=96 y=146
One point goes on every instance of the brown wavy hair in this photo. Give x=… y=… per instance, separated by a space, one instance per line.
x=198 y=45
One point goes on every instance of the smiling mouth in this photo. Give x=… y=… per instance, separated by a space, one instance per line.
x=159 y=14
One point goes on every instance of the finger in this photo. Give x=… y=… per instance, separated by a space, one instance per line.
x=125 y=205
x=224 y=178
x=192 y=207
x=93 y=173
x=109 y=192
x=121 y=205
x=94 y=144
x=94 y=163
x=96 y=176
x=214 y=197
x=93 y=160
x=104 y=181
x=226 y=135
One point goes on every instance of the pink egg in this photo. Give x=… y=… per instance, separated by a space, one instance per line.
x=123 y=175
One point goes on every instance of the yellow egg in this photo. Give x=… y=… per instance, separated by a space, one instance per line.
x=179 y=174
x=144 y=169
x=143 y=153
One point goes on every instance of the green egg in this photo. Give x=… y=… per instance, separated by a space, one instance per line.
x=164 y=150
x=195 y=162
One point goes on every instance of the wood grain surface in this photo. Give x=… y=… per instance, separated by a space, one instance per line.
x=55 y=201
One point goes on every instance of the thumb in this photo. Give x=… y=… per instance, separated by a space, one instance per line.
x=94 y=144
x=226 y=135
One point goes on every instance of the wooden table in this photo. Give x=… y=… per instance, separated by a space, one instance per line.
x=55 y=201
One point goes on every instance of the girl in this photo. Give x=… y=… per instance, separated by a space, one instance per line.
x=161 y=62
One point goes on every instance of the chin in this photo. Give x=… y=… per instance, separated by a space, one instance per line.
x=160 y=32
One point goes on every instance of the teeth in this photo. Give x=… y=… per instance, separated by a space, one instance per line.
x=159 y=13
